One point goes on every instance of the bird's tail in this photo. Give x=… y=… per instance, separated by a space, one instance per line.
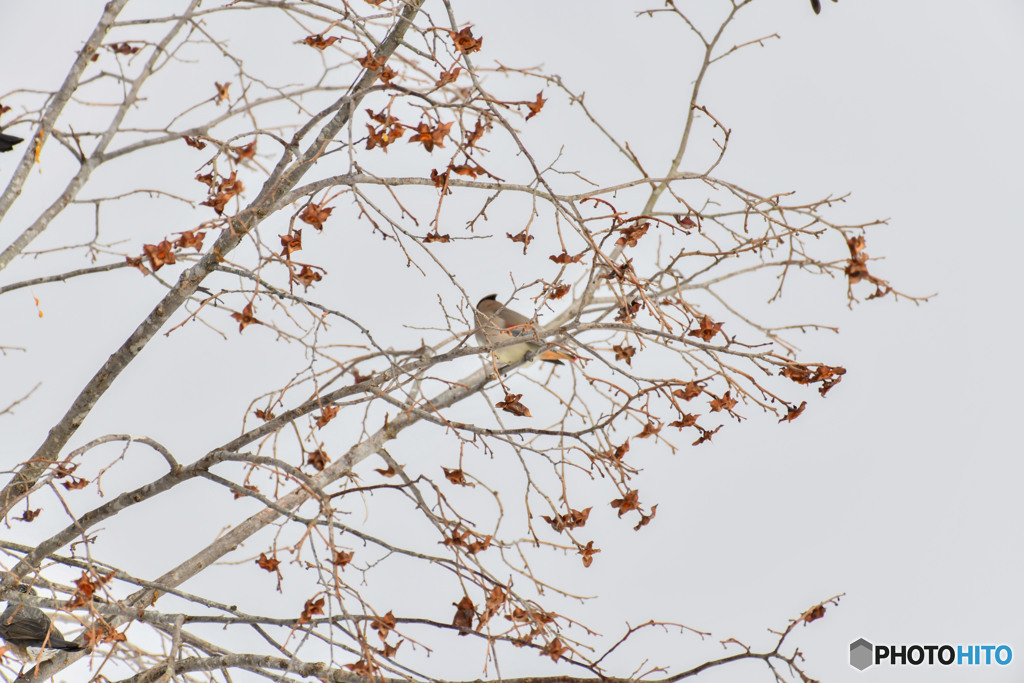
x=58 y=642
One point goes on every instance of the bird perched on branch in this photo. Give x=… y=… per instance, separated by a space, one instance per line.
x=497 y=324
x=7 y=142
x=816 y=5
x=30 y=634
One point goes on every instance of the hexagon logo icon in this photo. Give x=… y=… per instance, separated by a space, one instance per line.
x=861 y=654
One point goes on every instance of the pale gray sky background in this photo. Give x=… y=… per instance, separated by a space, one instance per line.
x=902 y=489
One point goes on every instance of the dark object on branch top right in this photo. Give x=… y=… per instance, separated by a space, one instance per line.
x=816 y=5
x=7 y=142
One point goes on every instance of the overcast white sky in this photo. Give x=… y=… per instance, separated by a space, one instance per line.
x=902 y=489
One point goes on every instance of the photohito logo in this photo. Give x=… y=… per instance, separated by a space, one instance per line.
x=863 y=654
